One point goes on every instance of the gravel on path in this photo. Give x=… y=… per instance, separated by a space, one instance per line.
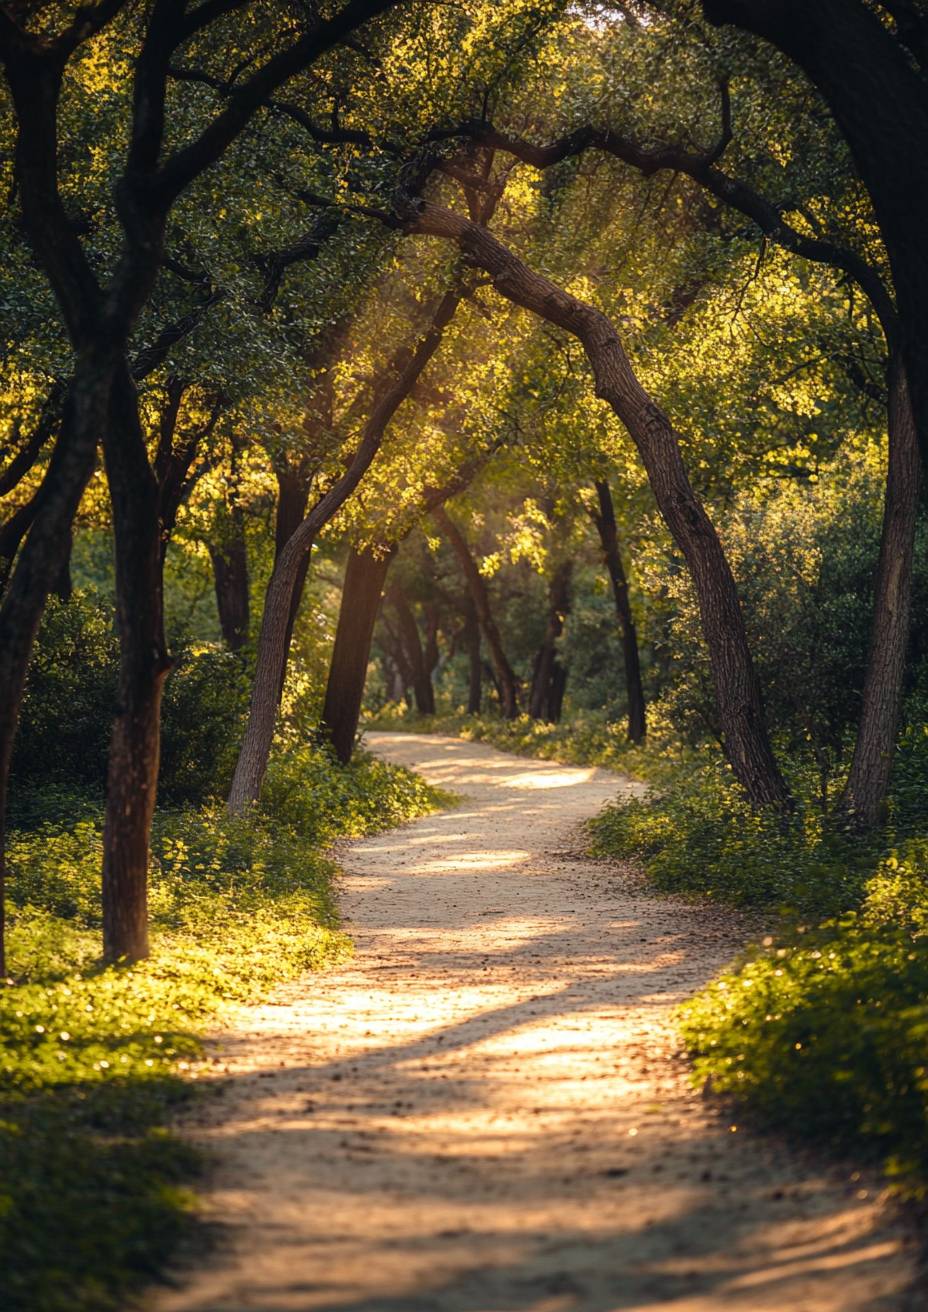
x=486 y=1109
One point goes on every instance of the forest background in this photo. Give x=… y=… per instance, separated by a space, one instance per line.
x=552 y=374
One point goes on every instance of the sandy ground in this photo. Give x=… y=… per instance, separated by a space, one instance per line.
x=486 y=1110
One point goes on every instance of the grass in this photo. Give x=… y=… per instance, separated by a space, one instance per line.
x=95 y=1192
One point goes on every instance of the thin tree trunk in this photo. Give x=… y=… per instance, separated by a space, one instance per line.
x=475 y=668
x=271 y=660
x=422 y=690
x=556 y=692
x=230 y=576
x=738 y=694
x=547 y=684
x=293 y=484
x=865 y=793
x=362 y=592
x=132 y=778
x=506 y=681
x=607 y=529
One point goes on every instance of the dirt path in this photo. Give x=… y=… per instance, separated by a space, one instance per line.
x=485 y=1112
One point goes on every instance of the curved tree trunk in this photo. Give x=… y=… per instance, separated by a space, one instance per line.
x=549 y=678
x=271 y=662
x=362 y=592
x=865 y=793
x=878 y=96
x=606 y=527
x=738 y=694
x=506 y=682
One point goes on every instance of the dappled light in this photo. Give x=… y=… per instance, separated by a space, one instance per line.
x=487 y=1108
x=464 y=645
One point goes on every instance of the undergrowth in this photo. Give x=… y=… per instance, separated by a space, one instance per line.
x=94 y=1192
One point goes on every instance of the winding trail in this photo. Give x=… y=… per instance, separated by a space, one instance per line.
x=485 y=1110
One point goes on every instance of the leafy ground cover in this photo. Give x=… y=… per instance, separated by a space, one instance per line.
x=94 y=1061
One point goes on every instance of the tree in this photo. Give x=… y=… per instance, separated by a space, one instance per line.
x=604 y=519
x=507 y=683
x=740 y=703
x=99 y=317
x=362 y=593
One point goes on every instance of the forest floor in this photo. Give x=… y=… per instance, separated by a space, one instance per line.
x=487 y=1110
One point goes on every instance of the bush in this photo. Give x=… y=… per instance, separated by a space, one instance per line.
x=70 y=700
x=699 y=835
x=70 y=697
x=202 y=720
x=827 y=1032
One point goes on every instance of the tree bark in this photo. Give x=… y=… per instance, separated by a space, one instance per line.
x=132 y=778
x=475 y=667
x=865 y=793
x=606 y=527
x=230 y=577
x=40 y=559
x=362 y=593
x=738 y=694
x=549 y=675
x=293 y=484
x=506 y=681
x=271 y=660
x=420 y=675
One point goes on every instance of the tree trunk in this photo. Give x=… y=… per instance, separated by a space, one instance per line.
x=421 y=678
x=270 y=666
x=132 y=778
x=230 y=575
x=475 y=668
x=606 y=527
x=506 y=680
x=293 y=484
x=867 y=785
x=365 y=575
x=738 y=694
x=41 y=556
x=549 y=676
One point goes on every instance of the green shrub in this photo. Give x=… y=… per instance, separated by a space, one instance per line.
x=309 y=791
x=699 y=835
x=202 y=720
x=826 y=1032
x=70 y=697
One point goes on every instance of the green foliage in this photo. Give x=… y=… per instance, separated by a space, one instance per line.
x=70 y=697
x=93 y=1061
x=70 y=702
x=202 y=719
x=826 y=1032
x=305 y=788
x=698 y=835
